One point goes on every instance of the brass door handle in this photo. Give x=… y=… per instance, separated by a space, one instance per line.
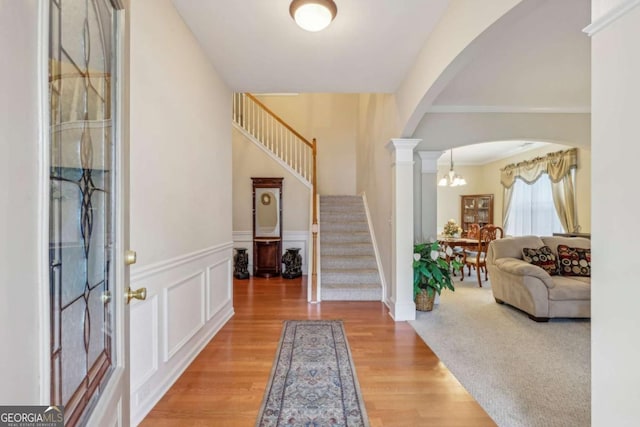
x=140 y=294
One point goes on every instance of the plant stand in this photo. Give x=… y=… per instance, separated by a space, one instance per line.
x=423 y=301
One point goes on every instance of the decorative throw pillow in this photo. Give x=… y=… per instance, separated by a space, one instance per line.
x=542 y=257
x=574 y=261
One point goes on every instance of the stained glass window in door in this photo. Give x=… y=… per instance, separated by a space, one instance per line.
x=81 y=231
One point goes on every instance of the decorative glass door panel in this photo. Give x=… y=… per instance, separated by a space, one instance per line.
x=82 y=203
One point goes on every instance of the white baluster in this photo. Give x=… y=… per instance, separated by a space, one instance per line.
x=244 y=111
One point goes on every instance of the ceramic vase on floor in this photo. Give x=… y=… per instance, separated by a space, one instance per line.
x=292 y=261
x=241 y=264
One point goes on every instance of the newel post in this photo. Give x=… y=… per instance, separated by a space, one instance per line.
x=401 y=304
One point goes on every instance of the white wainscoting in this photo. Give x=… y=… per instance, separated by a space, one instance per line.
x=189 y=299
x=291 y=239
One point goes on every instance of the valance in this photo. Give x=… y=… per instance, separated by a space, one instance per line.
x=557 y=165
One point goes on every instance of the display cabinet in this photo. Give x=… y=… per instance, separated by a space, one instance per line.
x=476 y=209
x=267 y=226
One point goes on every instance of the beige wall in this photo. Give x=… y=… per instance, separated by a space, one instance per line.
x=377 y=124
x=250 y=161
x=22 y=287
x=180 y=139
x=485 y=179
x=332 y=120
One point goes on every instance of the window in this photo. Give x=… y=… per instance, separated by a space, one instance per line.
x=532 y=210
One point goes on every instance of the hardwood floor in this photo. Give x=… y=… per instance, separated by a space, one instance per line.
x=403 y=383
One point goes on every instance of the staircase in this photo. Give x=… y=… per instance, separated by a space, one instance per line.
x=348 y=266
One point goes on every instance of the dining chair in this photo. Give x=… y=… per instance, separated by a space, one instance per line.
x=477 y=258
x=473 y=231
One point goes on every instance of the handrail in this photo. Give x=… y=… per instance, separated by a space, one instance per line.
x=283 y=146
x=282 y=122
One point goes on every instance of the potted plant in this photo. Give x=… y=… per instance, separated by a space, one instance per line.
x=431 y=273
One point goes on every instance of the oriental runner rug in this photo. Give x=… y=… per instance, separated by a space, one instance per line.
x=313 y=381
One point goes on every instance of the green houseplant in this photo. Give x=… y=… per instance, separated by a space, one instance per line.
x=431 y=273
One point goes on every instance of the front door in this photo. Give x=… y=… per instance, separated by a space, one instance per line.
x=87 y=213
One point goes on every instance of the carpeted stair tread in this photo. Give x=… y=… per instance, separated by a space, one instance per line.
x=348 y=266
x=344 y=227
x=349 y=276
x=356 y=293
x=345 y=237
x=346 y=248
x=348 y=261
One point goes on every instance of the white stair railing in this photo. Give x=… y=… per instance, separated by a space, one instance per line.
x=275 y=135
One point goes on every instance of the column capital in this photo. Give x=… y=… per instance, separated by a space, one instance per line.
x=402 y=148
x=430 y=160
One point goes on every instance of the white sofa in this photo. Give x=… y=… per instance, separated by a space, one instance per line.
x=529 y=287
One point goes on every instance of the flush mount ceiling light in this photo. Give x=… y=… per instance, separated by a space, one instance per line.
x=313 y=15
x=452 y=179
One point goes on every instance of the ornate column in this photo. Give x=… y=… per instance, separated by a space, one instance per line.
x=429 y=194
x=401 y=304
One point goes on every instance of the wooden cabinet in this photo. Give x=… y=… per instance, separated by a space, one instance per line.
x=476 y=209
x=267 y=226
x=266 y=257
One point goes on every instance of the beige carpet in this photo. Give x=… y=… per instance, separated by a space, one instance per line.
x=521 y=372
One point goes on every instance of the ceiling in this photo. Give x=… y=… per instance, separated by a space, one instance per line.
x=487 y=152
x=540 y=62
x=256 y=46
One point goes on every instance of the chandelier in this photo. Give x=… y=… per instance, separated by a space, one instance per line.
x=452 y=179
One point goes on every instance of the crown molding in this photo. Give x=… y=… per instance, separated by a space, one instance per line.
x=611 y=16
x=508 y=108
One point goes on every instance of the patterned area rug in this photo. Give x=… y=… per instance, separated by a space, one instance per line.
x=313 y=381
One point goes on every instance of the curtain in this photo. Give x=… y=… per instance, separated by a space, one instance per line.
x=532 y=209
x=564 y=200
x=507 y=197
x=560 y=166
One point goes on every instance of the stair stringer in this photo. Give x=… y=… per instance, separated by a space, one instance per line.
x=383 y=281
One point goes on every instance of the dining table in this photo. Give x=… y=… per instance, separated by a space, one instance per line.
x=457 y=242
